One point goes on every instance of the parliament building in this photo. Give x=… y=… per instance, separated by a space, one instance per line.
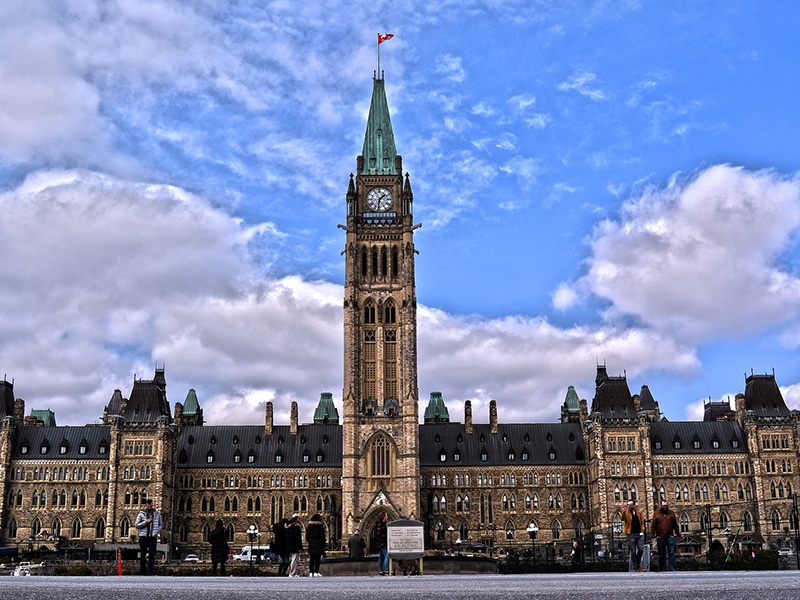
x=731 y=478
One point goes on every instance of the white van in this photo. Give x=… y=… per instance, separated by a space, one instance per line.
x=256 y=554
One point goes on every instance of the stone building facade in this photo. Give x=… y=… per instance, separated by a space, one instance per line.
x=731 y=478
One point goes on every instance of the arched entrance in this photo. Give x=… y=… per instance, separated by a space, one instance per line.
x=371 y=529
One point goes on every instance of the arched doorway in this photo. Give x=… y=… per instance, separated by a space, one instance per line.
x=371 y=529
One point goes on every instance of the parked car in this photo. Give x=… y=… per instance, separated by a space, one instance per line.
x=257 y=554
x=191 y=558
x=785 y=552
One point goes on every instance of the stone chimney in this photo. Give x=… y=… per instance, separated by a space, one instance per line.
x=268 y=420
x=19 y=411
x=468 y=417
x=293 y=420
x=741 y=409
x=493 y=416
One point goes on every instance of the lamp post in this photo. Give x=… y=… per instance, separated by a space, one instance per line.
x=450 y=530
x=533 y=531
x=252 y=535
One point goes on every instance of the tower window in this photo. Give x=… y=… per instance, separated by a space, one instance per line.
x=380 y=457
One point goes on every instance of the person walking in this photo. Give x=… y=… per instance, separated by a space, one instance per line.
x=279 y=546
x=665 y=531
x=633 y=525
x=315 y=539
x=149 y=524
x=218 y=538
x=381 y=539
x=294 y=544
x=356 y=545
x=575 y=556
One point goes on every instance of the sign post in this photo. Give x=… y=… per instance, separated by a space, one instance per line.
x=405 y=540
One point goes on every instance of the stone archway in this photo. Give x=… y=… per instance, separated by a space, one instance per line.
x=369 y=528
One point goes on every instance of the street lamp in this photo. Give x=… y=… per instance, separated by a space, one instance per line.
x=450 y=530
x=533 y=531
x=252 y=535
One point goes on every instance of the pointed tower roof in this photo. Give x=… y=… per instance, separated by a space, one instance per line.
x=326 y=412
x=191 y=404
x=379 y=151
x=6 y=398
x=436 y=412
x=763 y=396
x=571 y=401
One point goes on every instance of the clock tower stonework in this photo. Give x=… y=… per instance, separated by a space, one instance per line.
x=380 y=462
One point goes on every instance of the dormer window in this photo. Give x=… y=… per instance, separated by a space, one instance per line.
x=210 y=457
x=320 y=456
x=45 y=447
x=237 y=457
x=24 y=448
x=63 y=447
x=306 y=457
x=251 y=457
x=457 y=456
x=484 y=455
x=103 y=448
x=442 y=455
x=278 y=458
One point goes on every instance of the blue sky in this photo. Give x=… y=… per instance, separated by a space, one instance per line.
x=598 y=182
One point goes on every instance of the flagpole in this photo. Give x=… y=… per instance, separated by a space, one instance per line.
x=379 y=56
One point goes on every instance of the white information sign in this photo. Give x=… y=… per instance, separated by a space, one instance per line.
x=405 y=539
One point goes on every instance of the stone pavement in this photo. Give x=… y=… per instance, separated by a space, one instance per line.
x=763 y=585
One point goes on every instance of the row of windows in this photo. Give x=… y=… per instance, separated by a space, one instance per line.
x=774 y=442
x=511 y=529
x=772 y=466
x=138 y=448
x=381 y=262
x=631 y=468
x=63 y=447
x=696 y=444
x=487 y=479
x=142 y=472
x=622 y=444
x=740 y=467
x=59 y=474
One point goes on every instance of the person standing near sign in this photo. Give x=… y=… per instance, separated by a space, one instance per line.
x=381 y=539
x=149 y=525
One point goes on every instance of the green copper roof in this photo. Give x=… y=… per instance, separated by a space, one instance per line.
x=326 y=412
x=191 y=405
x=379 y=151
x=572 y=402
x=436 y=410
x=48 y=417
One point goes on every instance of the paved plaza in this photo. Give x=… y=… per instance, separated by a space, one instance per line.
x=763 y=585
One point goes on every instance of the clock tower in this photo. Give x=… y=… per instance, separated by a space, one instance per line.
x=380 y=462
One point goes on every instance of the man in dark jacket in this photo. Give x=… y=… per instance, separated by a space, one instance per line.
x=294 y=544
x=665 y=529
x=356 y=545
x=278 y=546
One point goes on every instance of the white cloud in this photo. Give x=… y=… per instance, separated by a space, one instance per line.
x=701 y=258
x=450 y=66
x=584 y=83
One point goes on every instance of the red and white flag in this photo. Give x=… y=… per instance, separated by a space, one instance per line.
x=382 y=37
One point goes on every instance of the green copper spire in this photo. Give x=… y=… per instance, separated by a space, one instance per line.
x=326 y=412
x=379 y=151
x=191 y=405
x=572 y=402
x=436 y=411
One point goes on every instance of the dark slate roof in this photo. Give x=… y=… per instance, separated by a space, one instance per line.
x=612 y=397
x=535 y=439
x=6 y=399
x=646 y=399
x=90 y=436
x=763 y=397
x=713 y=411
x=114 y=406
x=224 y=441
x=148 y=401
x=706 y=432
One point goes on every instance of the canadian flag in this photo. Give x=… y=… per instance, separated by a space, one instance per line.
x=382 y=37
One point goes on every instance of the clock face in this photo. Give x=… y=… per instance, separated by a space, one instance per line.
x=379 y=199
